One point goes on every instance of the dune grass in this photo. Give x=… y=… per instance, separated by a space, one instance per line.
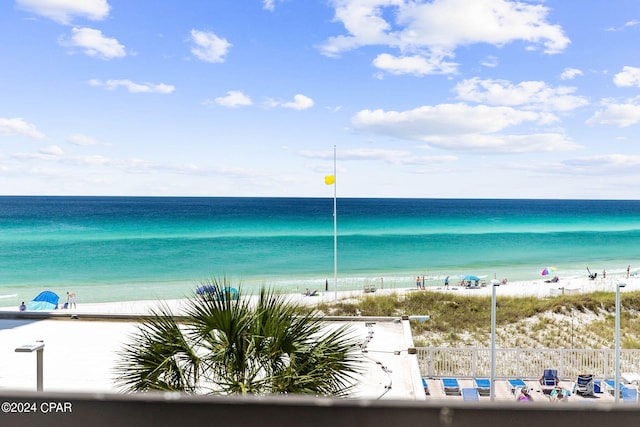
x=577 y=321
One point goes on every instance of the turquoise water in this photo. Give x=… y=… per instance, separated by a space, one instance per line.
x=120 y=248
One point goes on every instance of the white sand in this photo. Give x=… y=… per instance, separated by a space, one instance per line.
x=536 y=288
x=541 y=289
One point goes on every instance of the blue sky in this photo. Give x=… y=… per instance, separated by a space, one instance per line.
x=442 y=98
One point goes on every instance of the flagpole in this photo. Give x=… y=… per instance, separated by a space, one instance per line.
x=335 y=227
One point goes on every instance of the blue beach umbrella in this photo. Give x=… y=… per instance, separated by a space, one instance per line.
x=206 y=289
x=46 y=300
x=470 y=277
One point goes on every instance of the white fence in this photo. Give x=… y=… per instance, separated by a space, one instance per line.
x=523 y=363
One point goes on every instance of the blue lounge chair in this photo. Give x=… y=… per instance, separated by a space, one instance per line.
x=549 y=380
x=470 y=394
x=584 y=385
x=598 y=387
x=629 y=395
x=426 y=386
x=516 y=384
x=611 y=385
x=483 y=385
x=450 y=386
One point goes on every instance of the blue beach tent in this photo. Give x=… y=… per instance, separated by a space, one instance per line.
x=206 y=289
x=46 y=300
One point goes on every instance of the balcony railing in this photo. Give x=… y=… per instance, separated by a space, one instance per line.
x=524 y=362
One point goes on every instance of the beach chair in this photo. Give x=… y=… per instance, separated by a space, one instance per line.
x=598 y=387
x=483 y=385
x=515 y=385
x=631 y=377
x=425 y=385
x=549 y=380
x=584 y=385
x=629 y=395
x=470 y=394
x=610 y=386
x=451 y=386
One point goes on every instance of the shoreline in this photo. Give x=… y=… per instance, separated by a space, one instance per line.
x=158 y=289
x=523 y=288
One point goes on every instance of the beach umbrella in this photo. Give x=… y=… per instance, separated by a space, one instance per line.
x=46 y=300
x=206 y=289
x=470 y=277
x=548 y=270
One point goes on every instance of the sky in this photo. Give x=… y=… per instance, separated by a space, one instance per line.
x=426 y=99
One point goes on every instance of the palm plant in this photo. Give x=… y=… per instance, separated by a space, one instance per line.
x=224 y=346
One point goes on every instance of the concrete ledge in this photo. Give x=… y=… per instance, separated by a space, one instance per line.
x=170 y=409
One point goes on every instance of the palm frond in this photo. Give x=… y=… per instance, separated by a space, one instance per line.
x=158 y=357
x=229 y=346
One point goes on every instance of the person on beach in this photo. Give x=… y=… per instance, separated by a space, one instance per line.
x=418 y=282
x=604 y=273
x=71 y=299
x=559 y=395
x=628 y=270
x=22 y=307
x=446 y=282
x=524 y=395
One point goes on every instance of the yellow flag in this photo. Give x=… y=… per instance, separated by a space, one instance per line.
x=330 y=179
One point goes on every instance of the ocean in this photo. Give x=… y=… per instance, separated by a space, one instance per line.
x=126 y=248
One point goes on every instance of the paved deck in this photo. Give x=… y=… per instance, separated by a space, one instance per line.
x=80 y=354
x=503 y=392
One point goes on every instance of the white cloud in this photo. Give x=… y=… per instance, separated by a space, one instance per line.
x=52 y=153
x=442 y=119
x=530 y=94
x=19 y=127
x=63 y=11
x=268 y=5
x=300 y=102
x=389 y=156
x=490 y=62
x=629 y=76
x=626 y=25
x=93 y=43
x=504 y=144
x=208 y=46
x=52 y=150
x=94 y=160
x=608 y=161
x=463 y=127
x=570 y=73
x=234 y=98
x=615 y=114
x=133 y=87
x=416 y=64
x=81 y=139
x=435 y=29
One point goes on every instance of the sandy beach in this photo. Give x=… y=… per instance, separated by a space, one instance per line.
x=540 y=288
